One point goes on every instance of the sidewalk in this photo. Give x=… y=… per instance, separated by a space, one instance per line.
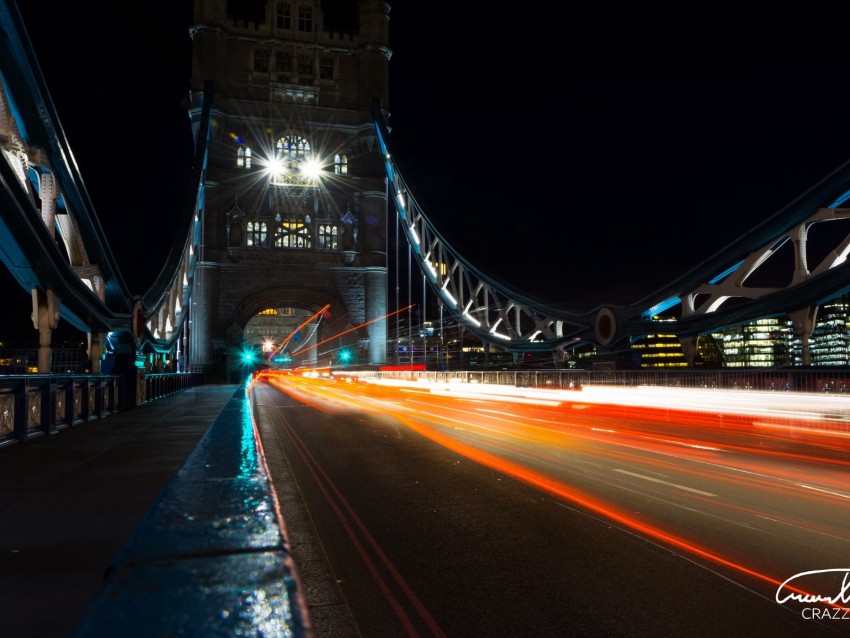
x=69 y=501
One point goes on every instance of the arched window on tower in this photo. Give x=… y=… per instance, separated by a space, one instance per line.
x=305 y=19
x=243 y=157
x=326 y=68
x=292 y=232
x=341 y=164
x=292 y=150
x=283 y=19
x=261 y=61
x=283 y=62
x=305 y=66
x=328 y=236
x=256 y=232
x=294 y=163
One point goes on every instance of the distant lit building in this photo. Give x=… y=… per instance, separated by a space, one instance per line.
x=660 y=351
x=828 y=343
x=760 y=344
x=665 y=351
x=64 y=360
x=773 y=342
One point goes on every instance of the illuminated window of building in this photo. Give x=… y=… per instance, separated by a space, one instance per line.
x=293 y=233
x=340 y=164
x=243 y=157
x=761 y=343
x=305 y=18
x=283 y=16
x=256 y=233
x=326 y=68
x=292 y=153
x=660 y=351
x=828 y=343
x=292 y=150
x=328 y=237
x=261 y=61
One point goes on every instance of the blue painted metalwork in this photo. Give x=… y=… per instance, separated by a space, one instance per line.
x=27 y=244
x=487 y=307
x=697 y=300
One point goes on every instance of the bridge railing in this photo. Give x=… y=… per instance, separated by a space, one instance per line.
x=35 y=405
x=161 y=384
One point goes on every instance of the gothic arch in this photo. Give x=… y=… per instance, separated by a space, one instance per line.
x=287 y=296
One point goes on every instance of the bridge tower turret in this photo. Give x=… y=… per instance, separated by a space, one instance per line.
x=295 y=209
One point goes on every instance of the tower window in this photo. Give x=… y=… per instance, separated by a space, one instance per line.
x=328 y=237
x=305 y=19
x=326 y=68
x=305 y=64
x=293 y=160
x=243 y=157
x=292 y=151
x=256 y=233
x=283 y=17
x=341 y=164
x=261 y=61
x=283 y=62
x=293 y=233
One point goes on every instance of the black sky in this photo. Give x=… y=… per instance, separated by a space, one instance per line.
x=580 y=156
x=602 y=153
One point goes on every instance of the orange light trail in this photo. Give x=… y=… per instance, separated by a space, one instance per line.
x=321 y=311
x=557 y=488
x=357 y=327
x=561 y=491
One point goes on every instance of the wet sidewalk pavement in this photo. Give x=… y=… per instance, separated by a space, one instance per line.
x=69 y=501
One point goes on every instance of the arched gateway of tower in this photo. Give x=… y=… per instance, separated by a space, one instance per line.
x=295 y=212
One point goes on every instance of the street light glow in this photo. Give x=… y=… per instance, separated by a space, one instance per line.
x=275 y=166
x=312 y=169
x=281 y=170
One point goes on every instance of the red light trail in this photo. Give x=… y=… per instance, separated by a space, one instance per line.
x=672 y=449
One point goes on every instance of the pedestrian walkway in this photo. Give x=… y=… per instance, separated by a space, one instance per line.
x=69 y=502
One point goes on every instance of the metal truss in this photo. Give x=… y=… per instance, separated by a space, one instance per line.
x=486 y=308
x=717 y=294
x=793 y=262
x=50 y=238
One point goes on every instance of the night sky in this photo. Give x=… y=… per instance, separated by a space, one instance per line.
x=598 y=156
x=592 y=156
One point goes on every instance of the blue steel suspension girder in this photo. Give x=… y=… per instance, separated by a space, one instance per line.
x=609 y=325
x=484 y=306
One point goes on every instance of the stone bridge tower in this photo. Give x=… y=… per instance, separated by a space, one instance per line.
x=295 y=213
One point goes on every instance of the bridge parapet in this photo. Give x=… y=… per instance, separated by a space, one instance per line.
x=210 y=557
x=36 y=405
x=39 y=404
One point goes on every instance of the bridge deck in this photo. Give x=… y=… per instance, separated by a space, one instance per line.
x=70 y=501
